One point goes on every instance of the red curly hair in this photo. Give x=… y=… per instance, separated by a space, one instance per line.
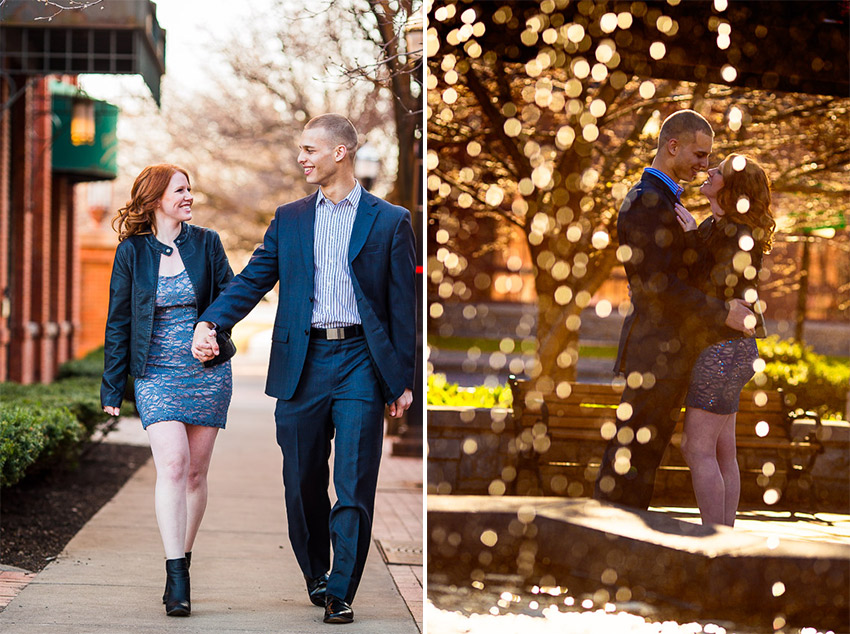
x=138 y=216
x=745 y=198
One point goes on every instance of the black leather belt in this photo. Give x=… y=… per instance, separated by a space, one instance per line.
x=335 y=334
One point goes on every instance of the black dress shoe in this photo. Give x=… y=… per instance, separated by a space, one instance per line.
x=337 y=611
x=316 y=589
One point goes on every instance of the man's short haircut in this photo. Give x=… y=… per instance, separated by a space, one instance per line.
x=683 y=125
x=340 y=129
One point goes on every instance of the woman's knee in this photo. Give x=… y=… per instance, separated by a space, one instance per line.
x=695 y=450
x=197 y=479
x=174 y=467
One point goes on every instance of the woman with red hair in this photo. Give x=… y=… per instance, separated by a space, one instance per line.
x=727 y=256
x=166 y=272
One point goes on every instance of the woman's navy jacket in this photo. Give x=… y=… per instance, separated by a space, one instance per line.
x=132 y=298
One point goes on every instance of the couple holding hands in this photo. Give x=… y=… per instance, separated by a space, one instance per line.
x=343 y=347
x=343 y=343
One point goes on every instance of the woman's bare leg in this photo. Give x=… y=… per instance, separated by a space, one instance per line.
x=699 y=447
x=728 y=461
x=170 y=449
x=201 y=444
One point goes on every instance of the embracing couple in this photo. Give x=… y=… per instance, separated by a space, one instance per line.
x=690 y=335
x=343 y=347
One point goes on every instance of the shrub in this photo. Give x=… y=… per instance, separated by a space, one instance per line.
x=80 y=395
x=43 y=425
x=815 y=382
x=32 y=438
x=441 y=392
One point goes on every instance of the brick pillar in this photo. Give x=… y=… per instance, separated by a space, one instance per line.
x=5 y=246
x=22 y=361
x=43 y=281
x=62 y=222
x=74 y=275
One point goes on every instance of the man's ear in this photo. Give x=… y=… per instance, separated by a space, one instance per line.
x=340 y=152
x=673 y=147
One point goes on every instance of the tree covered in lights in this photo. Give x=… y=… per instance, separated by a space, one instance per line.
x=546 y=146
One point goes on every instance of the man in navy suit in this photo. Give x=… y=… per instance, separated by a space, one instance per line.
x=343 y=345
x=670 y=323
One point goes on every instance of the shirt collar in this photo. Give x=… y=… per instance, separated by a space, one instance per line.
x=671 y=184
x=349 y=197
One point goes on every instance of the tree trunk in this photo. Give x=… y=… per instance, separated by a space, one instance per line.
x=802 y=292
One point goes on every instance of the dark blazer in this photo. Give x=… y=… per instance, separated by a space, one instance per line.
x=382 y=267
x=671 y=321
x=132 y=298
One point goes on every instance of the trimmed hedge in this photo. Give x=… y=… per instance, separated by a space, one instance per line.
x=815 y=382
x=32 y=436
x=45 y=425
x=441 y=392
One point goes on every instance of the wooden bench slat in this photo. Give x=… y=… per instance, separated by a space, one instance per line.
x=582 y=415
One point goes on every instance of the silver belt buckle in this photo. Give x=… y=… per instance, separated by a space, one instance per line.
x=334 y=334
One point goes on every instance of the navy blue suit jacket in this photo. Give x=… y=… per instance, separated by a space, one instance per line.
x=671 y=320
x=381 y=260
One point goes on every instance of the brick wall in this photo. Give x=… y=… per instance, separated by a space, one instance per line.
x=96 y=267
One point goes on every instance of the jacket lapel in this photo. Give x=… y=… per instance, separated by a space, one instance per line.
x=367 y=211
x=306 y=229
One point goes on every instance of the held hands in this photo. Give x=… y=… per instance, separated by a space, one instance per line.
x=740 y=317
x=111 y=410
x=401 y=404
x=204 y=345
x=686 y=220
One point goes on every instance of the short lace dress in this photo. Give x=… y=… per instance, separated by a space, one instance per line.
x=719 y=375
x=176 y=386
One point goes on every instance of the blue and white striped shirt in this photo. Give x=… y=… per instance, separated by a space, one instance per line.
x=335 y=305
x=673 y=185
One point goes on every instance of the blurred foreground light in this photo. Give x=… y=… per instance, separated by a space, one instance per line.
x=624 y=411
x=762 y=429
x=600 y=239
x=489 y=538
x=657 y=50
x=778 y=589
x=728 y=73
x=721 y=5
x=647 y=90
x=608 y=22
x=771 y=496
x=575 y=33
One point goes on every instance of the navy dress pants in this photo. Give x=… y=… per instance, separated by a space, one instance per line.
x=337 y=398
x=630 y=480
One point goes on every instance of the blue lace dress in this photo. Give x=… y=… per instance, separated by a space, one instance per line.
x=176 y=386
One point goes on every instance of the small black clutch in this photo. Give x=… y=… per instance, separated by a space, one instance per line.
x=226 y=350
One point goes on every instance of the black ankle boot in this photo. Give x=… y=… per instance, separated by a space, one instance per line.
x=177 y=601
x=168 y=583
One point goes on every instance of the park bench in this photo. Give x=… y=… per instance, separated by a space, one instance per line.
x=559 y=440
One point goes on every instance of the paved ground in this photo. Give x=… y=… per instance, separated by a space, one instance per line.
x=244 y=575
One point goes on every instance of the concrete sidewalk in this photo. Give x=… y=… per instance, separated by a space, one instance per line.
x=245 y=578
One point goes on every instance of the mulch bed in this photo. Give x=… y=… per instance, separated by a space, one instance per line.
x=41 y=514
